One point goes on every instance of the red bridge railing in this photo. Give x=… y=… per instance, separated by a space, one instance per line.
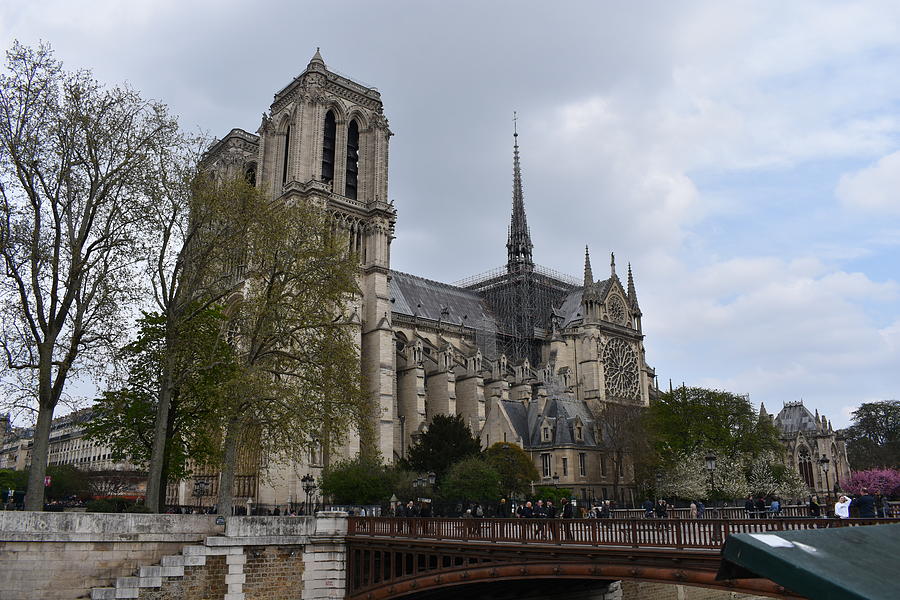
x=659 y=533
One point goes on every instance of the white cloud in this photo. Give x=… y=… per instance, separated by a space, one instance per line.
x=874 y=188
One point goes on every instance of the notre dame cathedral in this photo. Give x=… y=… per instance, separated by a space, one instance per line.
x=523 y=354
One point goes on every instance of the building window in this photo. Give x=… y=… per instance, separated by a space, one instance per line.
x=804 y=465
x=350 y=181
x=287 y=151
x=579 y=433
x=565 y=466
x=582 y=464
x=545 y=465
x=545 y=434
x=328 y=143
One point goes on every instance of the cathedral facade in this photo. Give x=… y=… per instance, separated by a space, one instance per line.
x=523 y=354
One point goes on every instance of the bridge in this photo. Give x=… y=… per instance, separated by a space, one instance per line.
x=391 y=557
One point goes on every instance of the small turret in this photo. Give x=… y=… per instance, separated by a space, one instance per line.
x=588 y=273
x=612 y=264
x=632 y=293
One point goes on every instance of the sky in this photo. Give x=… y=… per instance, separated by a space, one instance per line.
x=744 y=157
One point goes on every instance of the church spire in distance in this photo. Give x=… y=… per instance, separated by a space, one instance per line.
x=519 y=243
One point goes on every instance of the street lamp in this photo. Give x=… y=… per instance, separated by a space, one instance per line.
x=823 y=463
x=556 y=480
x=309 y=486
x=711 y=467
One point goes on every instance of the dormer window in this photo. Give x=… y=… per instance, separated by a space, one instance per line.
x=579 y=433
x=545 y=433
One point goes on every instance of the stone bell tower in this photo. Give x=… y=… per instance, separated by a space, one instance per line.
x=325 y=140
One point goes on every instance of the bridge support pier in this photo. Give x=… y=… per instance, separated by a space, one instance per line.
x=325 y=558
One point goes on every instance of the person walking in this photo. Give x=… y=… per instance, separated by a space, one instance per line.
x=648 y=508
x=568 y=513
x=693 y=510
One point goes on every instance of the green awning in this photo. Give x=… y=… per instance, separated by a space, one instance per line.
x=836 y=563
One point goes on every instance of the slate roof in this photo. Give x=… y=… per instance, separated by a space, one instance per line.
x=795 y=417
x=571 y=307
x=561 y=413
x=417 y=296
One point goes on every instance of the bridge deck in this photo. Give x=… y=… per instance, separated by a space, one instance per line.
x=681 y=534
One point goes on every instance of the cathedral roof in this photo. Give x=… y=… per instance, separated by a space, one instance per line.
x=571 y=307
x=561 y=413
x=417 y=296
x=795 y=417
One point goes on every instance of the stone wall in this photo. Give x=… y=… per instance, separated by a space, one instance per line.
x=61 y=556
x=638 y=590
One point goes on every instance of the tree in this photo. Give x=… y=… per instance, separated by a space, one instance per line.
x=448 y=440
x=691 y=419
x=791 y=486
x=876 y=481
x=73 y=160
x=125 y=418
x=360 y=480
x=196 y=259
x=514 y=466
x=473 y=479
x=297 y=380
x=683 y=476
x=873 y=439
x=762 y=480
x=622 y=435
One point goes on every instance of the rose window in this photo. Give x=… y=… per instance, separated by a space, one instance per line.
x=615 y=308
x=620 y=363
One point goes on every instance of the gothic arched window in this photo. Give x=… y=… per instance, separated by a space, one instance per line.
x=286 y=152
x=250 y=174
x=328 y=142
x=804 y=465
x=352 y=160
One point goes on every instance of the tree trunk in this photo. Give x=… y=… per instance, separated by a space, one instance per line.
x=47 y=400
x=226 y=480
x=155 y=484
x=34 y=499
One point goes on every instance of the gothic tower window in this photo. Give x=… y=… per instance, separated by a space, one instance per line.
x=250 y=174
x=352 y=160
x=286 y=152
x=328 y=143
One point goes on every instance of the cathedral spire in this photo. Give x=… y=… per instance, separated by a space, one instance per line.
x=519 y=244
x=632 y=293
x=588 y=274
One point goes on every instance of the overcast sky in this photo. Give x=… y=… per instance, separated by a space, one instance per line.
x=743 y=156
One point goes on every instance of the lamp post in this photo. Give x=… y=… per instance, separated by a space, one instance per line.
x=555 y=480
x=823 y=463
x=711 y=467
x=309 y=486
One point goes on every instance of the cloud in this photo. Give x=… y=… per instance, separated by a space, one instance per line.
x=875 y=188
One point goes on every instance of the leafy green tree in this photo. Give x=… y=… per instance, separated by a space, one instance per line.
x=514 y=465
x=360 y=480
x=448 y=440
x=75 y=157
x=297 y=381
x=125 y=418
x=873 y=439
x=473 y=479
x=556 y=494
x=11 y=479
x=67 y=481
x=690 y=419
